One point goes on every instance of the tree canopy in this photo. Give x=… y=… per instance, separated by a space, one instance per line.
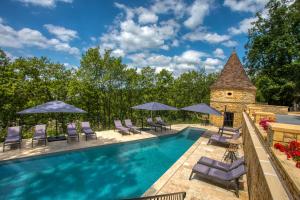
x=273 y=53
x=102 y=85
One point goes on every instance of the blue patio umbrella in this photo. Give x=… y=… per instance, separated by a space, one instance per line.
x=202 y=108
x=153 y=106
x=52 y=107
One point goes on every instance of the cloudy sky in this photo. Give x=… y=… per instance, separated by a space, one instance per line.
x=176 y=35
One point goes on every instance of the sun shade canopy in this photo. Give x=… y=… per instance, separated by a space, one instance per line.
x=202 y=108
x=154 y=106
x=53 y=107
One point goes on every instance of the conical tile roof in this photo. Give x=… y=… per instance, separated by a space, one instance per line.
x=233 y=76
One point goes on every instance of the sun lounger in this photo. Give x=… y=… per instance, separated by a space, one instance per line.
x=228 y=129
x=153 y=125
x=72 y=132
x=161 y=122
x=221 y=165
x=120 y=127
x=13 y=136
x=223 y=139
x=131 y=127
x=86 y=129
x=222 y=177
x=39 y=134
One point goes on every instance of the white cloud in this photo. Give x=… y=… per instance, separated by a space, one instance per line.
x=197 y=12
x=61 y=33
x=27 y=37
x=132 y=37
x=230 y=43
x=10 y=55
x=190 y=57
x=243 y=27
x=205 y=36
x=145 y=16
x=245 y=5
x=212 y=64
x=219 y=53
x=175 y=43
x=44 y=3
x=188 y=60
x=94 y=39
x=118 y=53
x=129 y=12
x=70 y=66
x=176 y=7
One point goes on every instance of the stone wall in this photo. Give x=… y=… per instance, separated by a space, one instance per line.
x=258 y=116
x=283 y=133
x=252 y=108
x=263 y=181
x=235 y=102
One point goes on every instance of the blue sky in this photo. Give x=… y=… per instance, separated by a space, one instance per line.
x=173 y=34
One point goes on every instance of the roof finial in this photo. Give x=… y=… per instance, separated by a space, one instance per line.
x=233 y=50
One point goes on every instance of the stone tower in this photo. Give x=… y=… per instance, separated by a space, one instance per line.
x=234 y=90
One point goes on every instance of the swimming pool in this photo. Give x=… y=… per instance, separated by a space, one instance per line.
x=108 y=172
x=288 y=119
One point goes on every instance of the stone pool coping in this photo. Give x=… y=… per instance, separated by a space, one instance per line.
x=158 y=185
x=107 y=137
x=176 y=178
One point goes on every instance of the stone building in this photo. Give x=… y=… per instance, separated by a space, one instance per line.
x=234 y=90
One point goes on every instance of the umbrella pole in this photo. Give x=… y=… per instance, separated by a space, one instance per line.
x=56 y=126
x=223 y=120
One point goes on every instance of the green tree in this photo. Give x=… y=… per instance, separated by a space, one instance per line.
x=273 y=53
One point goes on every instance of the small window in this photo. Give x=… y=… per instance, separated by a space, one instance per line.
x=229 y=94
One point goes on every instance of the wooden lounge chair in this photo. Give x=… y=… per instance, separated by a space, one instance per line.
x=13 y=137
x=86 y=129
x=72 y=132
x=161 y=122
x=39 y=134
x=131 y=127
x=120 y=127
x=222 y=177
x=153 y=125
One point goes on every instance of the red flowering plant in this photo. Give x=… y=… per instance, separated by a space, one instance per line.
x=264 y=123
x=292 y=151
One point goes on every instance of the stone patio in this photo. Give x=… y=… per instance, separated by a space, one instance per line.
x=174 y=180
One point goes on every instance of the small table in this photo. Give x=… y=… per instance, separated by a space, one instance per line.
x=232 y=151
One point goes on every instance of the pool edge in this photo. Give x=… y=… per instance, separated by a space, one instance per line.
x=155 y=188
x=87 y=147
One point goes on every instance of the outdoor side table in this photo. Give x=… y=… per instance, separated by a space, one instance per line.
x=231 y=152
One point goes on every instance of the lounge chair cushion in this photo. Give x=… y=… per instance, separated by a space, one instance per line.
x=221 y=165
x=219 y=138
x=237 y=163
x=39 y=137
x=12 y=139
x=219 y=174
x=203 y=169
x=88 y=131
x=72 y=132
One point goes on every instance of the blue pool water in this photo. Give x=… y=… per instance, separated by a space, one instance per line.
x=108 y=172
x=288 y=119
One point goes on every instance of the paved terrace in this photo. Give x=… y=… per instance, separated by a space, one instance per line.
x=174 y=180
